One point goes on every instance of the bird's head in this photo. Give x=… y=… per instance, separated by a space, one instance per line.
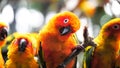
x=109 y=36
x=21 y=44
x=65 y=23
x=3 y=33
x=111 y=29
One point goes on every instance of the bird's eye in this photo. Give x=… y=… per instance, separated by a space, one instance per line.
x=116 y=26
x=66 y=20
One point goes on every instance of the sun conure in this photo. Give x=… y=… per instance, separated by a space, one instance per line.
x=57 y=40
x=21 y=53
x=105 y=54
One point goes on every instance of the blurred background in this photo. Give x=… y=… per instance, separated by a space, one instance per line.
x=28 y=16
x=31 y=15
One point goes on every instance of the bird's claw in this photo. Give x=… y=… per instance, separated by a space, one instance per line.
x=88 y=41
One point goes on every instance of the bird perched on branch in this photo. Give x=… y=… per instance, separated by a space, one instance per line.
x=57 y=39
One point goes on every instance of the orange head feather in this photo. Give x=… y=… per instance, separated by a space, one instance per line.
x=110 y=35
x=111 y=29
x=21 y=45
x=63 y=24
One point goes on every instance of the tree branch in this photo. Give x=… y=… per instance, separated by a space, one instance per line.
x=87 y=42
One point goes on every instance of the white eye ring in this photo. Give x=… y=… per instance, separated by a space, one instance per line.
x=116 y=26
x=66 y=21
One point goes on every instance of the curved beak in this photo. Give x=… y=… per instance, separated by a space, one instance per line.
x=3 y=33
x=65 y=30
x=22 y=45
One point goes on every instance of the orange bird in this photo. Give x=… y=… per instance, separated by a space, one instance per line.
x=106 y=52
x=21 y=53
x=3 y=35
x=57 y=39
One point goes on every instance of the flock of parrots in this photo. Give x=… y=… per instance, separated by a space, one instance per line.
x=55 y=46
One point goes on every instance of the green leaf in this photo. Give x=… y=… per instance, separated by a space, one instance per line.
x=87 y=57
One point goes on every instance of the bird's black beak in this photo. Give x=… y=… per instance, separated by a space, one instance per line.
x=3 y=33
x=22 y=45
x=65 y=30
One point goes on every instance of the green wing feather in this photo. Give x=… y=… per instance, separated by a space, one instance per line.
x=87 y=58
